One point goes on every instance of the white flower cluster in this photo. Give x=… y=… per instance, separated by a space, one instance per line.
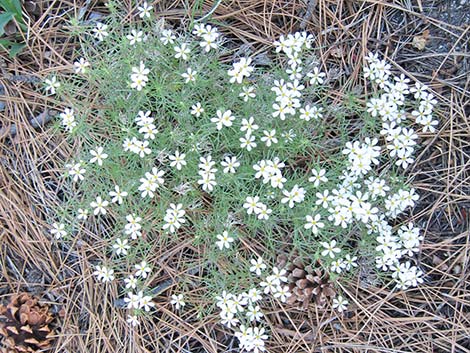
x=240 y=70
x=362 y=156
x=68 y=119
x=399 y=202
x=104 y=273
x=151 y=182
x=253 y=204
x=288 y=94
x=390 y=107
x=174 y=217
x=242 y=312
x=133 y=226
x=363 y=197
x=148 y=129
x=394 y=247
x=292 y=46
x=271 y=172
x=207 y=173
x=139 y=76
x=209 y=36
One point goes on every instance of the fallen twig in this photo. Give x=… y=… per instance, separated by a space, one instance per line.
x=35 y=122
x=120 y=303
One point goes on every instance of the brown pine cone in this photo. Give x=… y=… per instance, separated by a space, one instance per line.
x=307 y=283
x=24 y=325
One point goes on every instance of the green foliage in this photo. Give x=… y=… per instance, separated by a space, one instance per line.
x=332 y=154
x=13 y=11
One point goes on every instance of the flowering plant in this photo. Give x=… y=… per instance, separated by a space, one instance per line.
x=277 y=158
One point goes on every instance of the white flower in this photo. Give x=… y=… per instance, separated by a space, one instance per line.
x=254 y=313
x=144 y=10
x=58 y=230
x=280 y=110
x=248 y=142
x=98 y=156
x=318 y=176
x=209 y=41
x=264 y=211
x=117 y=195
x=104 y=274
x=139 y=76
x=207 y=164
x=52 y=84
x=323 y=199
x=177 y=160
x=174 y=217
x=269 y=137
x=182 y=51
x=251 y=204
x=99 y=206
x=254 y=295
x=224 y=299
x=81 y=66
x=295 y=195
x=135 y=37
x=197 y=110
x=208 y=182
x=249 y=125
x=121 y=246
x=82 y=214
x=282 y=293
x=229 y=164
x=288 y=135
x=313 y=223
x=178 y=301
x=133 y=320
x=141 y=148
x=189 y=75
x=77 y=171
x=132 y=301
x=131 y=282
x=145 y=302
x=248 y=92
x=350 y=262
x=330 y=249
x=142 y=269
x=100 y=32
x=224 y=240
x=258 y=266
x=428 y=124
x=269 y=285
x=316 y=77
x=337 y=266
x=168 y=37
x=340 y=303
x=223 y=119
x=199 y=30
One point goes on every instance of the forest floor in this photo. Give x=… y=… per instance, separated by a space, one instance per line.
x=428 y=40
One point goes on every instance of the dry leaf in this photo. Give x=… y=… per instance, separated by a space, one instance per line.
x=419 y=42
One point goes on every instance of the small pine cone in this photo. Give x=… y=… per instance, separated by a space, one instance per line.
x=306 y=283
x=25 y=325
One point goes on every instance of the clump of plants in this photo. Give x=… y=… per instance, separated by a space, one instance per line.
x=182 y=138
